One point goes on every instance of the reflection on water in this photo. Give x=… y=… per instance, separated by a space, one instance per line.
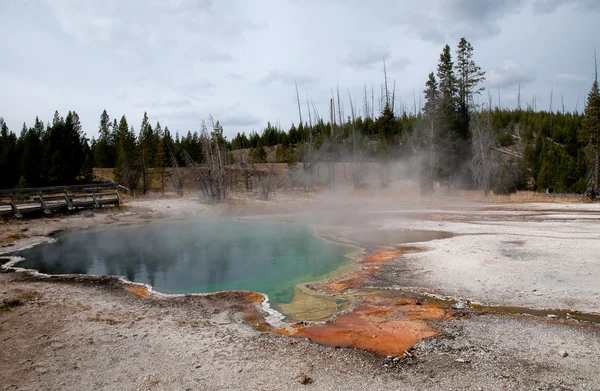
x=195 y=256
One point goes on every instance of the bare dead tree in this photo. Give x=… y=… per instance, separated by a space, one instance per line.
x=340 y=109
x=499 y=104
x=414 y=103
x=394 y=96
x=385 y=82
x=366 y=103
x=485 y=161
x=372 y=101
x=266 y=184
x=177 y=174
x=298 y=102
x=212 y=178
x=308 y=168
x=356 y=177
x=331 y=115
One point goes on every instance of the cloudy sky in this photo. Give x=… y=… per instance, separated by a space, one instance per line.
x=182 y=60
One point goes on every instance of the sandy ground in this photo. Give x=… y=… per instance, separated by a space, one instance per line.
x=73 y=335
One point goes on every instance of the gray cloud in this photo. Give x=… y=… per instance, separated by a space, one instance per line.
x=364 y=57
x=275 y=76
x=398 y=64
x=439 y=21
x=569 y=78
x=550 y=6
x=212 y=55
x=509 y=74
x=244 y=120
x=181 y=60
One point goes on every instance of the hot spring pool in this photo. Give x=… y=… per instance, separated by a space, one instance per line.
x=195 y=256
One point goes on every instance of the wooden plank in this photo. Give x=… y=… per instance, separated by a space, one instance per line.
x=54 y=198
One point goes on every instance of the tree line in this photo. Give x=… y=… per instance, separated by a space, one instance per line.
x=456 y=140
x=53 y=154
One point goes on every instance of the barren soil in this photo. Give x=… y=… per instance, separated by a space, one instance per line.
x=84 y=333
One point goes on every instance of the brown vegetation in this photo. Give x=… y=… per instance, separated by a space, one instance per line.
x=20 y=298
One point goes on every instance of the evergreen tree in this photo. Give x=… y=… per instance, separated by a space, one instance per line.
x=161 y=164
x=386 y=126
x=87 y=170
x=31 y=153
x=63 y=151
x=8 y=157
x=105 y=148
x=469 y=76
x=430 y=135
x=448 y=151
x=258 y=154
x=127 y=168
x=146 y=151
x=591 y=133
x=432 y=95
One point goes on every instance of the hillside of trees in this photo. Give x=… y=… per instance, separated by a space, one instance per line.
x=455 y=141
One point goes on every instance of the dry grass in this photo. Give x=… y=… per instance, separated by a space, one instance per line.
x=101 y=318
x=22 y=296
x=525 y=196
x=11 y=237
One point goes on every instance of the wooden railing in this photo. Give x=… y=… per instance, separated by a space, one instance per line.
x=58 y=198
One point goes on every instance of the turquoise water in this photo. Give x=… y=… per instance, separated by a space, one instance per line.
x=195 y=256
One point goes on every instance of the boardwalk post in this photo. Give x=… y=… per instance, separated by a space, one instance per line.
x=68 y=201
x=14 y=208
x=118 y=195
x=96 y=204
x=43 y=204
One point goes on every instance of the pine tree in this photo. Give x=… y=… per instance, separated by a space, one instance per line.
x=469 y=76
x=161 y=164
x=127 y=167
x=448 y=151
x=147 y=151
x=447 y=79
x=31 y=152
x=87 y=170
x=386 y=125
x=429 y=137
x=431 y=97
x=73 y=147
x=105 y=149
x=8 y=157
x=591 y=133
x=63 y=152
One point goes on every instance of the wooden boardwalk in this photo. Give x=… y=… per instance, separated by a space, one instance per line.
x=18 y=202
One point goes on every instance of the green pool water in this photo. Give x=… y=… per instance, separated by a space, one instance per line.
x=195 y=256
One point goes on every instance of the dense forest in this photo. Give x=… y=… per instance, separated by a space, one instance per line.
x=456 y=142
